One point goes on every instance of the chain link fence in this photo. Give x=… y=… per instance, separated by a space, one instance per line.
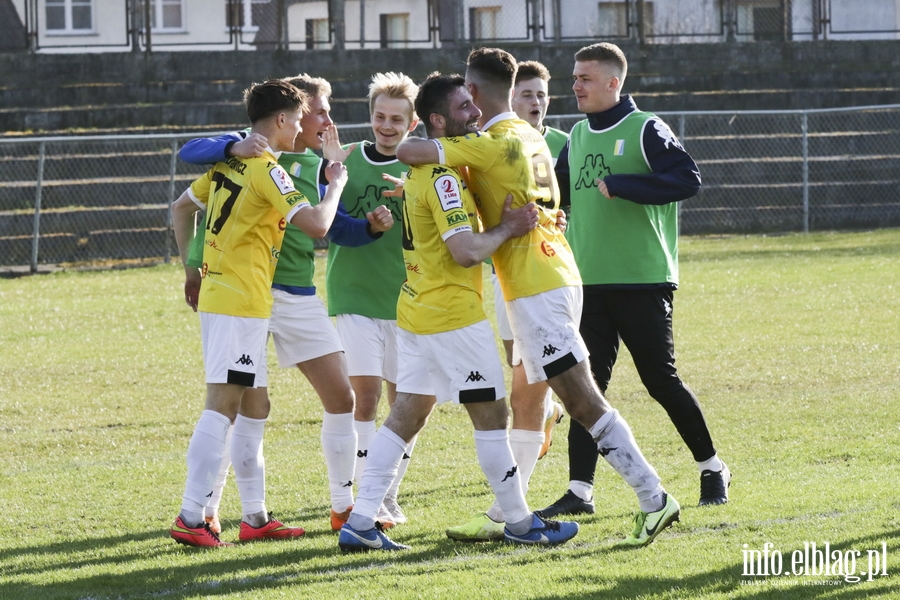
x=117 y=25
x=107 y=198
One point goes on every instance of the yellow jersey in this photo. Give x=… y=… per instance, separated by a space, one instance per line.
x=439 y=294
x=510 y=156
x=248 y=204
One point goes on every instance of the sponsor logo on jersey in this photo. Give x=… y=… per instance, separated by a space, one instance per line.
x=276 y=254
x=282 y=225
x=204 y=270
x=448 y=192
x=547 y=249
x=282 y=180
x=414 y=268
x=295 y=198
x=620 y=148
x=457 y=218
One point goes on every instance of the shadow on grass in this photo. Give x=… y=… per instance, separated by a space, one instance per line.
x=287 y=565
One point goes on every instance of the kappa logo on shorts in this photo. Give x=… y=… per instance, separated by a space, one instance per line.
x=244 y=360
x=475 y=376
x=549 y=350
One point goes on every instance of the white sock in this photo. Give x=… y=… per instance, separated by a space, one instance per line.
x=525 y=446
x=204 y=457
x=394 y=490
x=617 y=445
x=548 y=405
x=711 y=464
x=385 y=454
x=339 y=446
x=249 y=464
x=497 y=462
x=212 y=509
x=582 y=489
x=365 y=431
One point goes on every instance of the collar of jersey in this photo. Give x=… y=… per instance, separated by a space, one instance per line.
x=277 y=155
x=501 y=117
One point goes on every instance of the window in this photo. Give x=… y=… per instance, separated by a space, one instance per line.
x=317 y=34
x=165 y=14
x=394 y=30
x=243 y=14
x=761 y=19
x=613 y=19
x=483 y=22
x=69 y=16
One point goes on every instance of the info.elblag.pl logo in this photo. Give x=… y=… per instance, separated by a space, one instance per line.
x=813 y=560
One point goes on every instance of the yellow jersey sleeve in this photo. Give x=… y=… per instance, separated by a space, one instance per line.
x=511 y=157
x=439 y=294
x=248 y=202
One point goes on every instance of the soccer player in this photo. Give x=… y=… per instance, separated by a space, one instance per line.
x=248 y=203
x=538 y=275
x=534 y=413
x=441 y=322
x=625 y=171
x=304 y=334
x=531 y=99
x=363 y=282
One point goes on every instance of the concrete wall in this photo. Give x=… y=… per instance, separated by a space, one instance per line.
x=190 y=90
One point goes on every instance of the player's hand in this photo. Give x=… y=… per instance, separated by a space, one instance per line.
x=192 y=287
x=601 y=185
x=397 y=192
x=331 y=145
x=336 y=173
x=380 y=219
x=520 y=220
x=562 y=223
x=251 y=146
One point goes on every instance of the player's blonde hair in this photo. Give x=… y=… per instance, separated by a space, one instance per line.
x=313 y=86
x=393 y=85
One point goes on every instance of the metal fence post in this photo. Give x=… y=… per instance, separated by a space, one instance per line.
x=804 y=128
x=36 y=235
x=172 y=165
x=681 y=139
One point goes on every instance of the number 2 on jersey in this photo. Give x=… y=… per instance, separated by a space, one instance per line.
x=234 y=190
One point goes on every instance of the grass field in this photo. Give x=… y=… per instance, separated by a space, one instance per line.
x=791 y=342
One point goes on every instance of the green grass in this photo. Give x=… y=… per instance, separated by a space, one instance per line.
x=791 y=342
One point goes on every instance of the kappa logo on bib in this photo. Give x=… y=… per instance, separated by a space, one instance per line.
x=447 y=188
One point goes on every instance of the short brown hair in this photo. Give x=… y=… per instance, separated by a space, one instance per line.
x=532 y=69
x=606 y=53
x=495 y=66
x=271 y=97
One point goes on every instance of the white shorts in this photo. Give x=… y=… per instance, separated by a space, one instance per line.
x=234 y=349
x=545 y=330
x=503 y=327
x=370 y=346
x=462 y=365
x=301 y=328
